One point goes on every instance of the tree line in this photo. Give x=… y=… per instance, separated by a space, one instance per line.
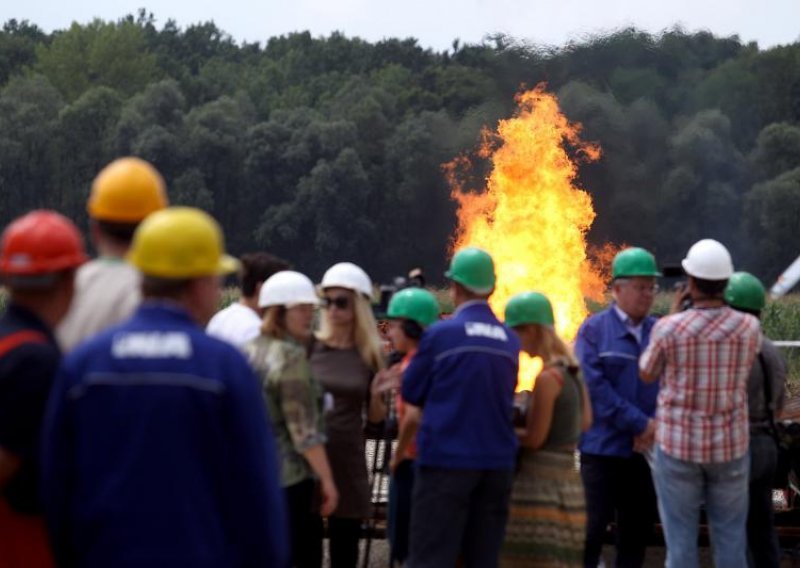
x=322 y=149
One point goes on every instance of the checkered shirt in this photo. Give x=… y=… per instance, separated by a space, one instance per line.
x=703 y=357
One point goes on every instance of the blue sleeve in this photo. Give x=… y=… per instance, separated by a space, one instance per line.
x=256 y=508
x=418 y=376
x=57 y=469
x=607 y=404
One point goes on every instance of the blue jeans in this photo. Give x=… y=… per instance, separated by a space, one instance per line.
x=682 y=488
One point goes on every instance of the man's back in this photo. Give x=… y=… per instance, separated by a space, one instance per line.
x=158 y=452
x=464 y=375
x=106 y=293
x=705 y=356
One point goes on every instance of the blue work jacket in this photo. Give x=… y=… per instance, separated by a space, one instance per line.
x=158 y=452
x=621 y=402
x=463 y=375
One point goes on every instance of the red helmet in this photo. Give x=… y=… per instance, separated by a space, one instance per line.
x=40 y=242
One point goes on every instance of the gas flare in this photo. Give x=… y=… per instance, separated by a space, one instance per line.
x=531 y=216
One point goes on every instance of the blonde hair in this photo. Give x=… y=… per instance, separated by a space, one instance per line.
x=365 y=332
x=274 y=322
x=552 y=348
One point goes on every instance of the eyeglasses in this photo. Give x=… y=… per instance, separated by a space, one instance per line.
x=341 y=302
x=643 y=288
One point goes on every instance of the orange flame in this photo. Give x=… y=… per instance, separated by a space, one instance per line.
x=532 y=217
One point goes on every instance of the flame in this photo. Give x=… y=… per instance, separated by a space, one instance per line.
x=532 y=218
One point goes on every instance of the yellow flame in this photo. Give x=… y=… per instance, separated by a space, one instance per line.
x=532 y=217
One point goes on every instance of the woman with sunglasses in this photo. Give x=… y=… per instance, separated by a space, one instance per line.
x=547 y=524
x=295 y=401
x=346 y=357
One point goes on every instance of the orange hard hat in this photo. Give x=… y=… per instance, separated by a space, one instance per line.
x=126 y=191
x=40 y=242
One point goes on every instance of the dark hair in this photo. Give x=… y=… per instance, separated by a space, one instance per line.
x=169 y=288
x=122 y=232
x=710 y=288
x=257 y=267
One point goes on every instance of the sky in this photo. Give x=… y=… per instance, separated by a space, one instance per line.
x=436 y=23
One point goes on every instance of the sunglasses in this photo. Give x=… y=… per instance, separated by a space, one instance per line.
x=341 y=302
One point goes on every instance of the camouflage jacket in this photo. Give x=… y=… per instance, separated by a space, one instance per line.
x=294 y=399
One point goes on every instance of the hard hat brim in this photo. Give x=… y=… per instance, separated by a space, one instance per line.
x=227 y=265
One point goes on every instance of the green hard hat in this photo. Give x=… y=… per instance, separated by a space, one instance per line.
x=634 y=262
x=473 y=268
x=414 y=304
x=529 y=307
x=745 y=292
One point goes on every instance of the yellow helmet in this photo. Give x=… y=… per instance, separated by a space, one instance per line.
x=180 y=242
x=126 y=191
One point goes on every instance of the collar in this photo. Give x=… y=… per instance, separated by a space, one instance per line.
x=167 y=308
x=470 y=304
x=30 y=318
x=627 y=326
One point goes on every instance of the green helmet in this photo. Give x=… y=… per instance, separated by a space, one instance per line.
x=414 y=304
x=529 y=307
x=473 y=268
x=634 y=262
x=745 y=292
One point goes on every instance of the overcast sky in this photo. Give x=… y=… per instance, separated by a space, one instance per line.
x=436 y=23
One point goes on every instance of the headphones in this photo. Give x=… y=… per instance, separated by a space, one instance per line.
x=412 y=329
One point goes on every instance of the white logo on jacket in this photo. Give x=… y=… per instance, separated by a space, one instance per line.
x=152 y=345
x=491 y=331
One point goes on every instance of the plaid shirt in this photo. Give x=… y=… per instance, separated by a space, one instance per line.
x=704 y=358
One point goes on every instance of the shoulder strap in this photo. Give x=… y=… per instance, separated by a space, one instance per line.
x=18 y=338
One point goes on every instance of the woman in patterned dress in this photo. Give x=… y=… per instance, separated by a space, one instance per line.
x=547 y=521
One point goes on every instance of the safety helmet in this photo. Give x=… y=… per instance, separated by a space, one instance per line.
x=632 y=262
x=708 y=260
x=473 y=268
x=347 y=275
x=40 y=242
x=180 y=242
x=126 y=191
x=287 y=288
x=745 y=292
x=529 y=307
x=414 y=304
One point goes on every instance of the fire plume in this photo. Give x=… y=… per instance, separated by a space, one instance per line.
x=532 y=218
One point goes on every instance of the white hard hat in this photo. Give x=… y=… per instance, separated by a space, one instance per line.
x=347 y=275
x=709 y=260
x=287 y=288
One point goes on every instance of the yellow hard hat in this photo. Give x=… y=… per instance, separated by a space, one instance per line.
x=180 y=242
x=126 y=191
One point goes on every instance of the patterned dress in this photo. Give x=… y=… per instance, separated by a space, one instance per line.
x=547 y=520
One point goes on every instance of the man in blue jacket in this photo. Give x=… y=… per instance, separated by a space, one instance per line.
x=157 y=448
x=463 y=376
x=615 y=474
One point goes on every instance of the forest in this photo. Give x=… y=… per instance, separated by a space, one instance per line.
x=321 y=149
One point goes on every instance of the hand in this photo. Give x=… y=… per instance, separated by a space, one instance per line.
x=394 y=462
x=681 y=295
x=386 y=380
x=330 y=498
x=645 y=440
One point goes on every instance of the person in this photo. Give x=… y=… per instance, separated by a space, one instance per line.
x=702 y=357
x=39 y=253
x=615 y=474
x=547 y=526
x=157 y=447
x=107 y=288
x=766 y=394
x=463 y=376
x=240 y=322
x=346 y=357
x=294 y=400
x=410 y=312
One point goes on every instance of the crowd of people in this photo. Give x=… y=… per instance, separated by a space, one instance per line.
x=142 y=427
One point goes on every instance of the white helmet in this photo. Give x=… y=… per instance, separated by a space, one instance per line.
x=347 y=275
x=287 y=288
x=709 y=260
